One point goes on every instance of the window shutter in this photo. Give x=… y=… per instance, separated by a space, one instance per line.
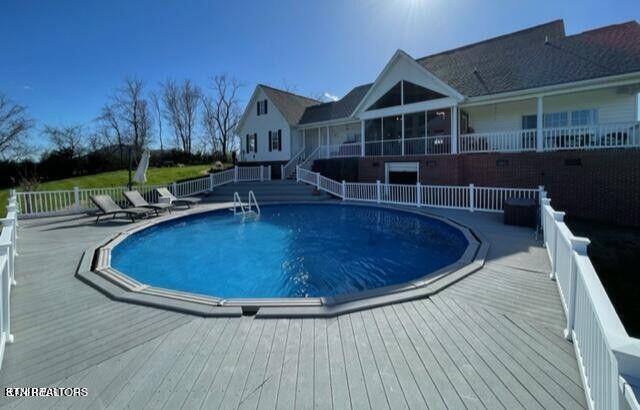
x=255 y=145
x=269 y=141
x=279 y=140
x=265 y=106
x=258 y=107
x=246 y=143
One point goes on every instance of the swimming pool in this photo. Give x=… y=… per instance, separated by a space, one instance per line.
x=297 y=250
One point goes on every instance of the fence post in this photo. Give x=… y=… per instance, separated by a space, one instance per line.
x=557 y=217
x=282 y=177
x=318 y=180
x=268 y=172
x=297 y=173
x=76 y=198
x=210 y=182
x=579 y=245
x=418 y=194
x=344 y=190
x=235 y=174
x=378 y=191
x=9 y=247
x=472 y=197
x=5 y=279
x=174 y=189
x=261 y=173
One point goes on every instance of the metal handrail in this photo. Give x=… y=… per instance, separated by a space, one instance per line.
x=252 y=198
x=237 y=203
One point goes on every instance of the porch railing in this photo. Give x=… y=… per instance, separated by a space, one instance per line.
x=619 y=135
x=8 y=252
x=78 y=200
x=502 y=141
x=607 y=357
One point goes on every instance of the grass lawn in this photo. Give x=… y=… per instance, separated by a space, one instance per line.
x=615 y=253
x=155 y=176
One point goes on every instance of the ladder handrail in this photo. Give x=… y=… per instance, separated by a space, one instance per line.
x=237 y=202
x=255 y=202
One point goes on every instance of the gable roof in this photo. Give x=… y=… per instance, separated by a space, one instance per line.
x=290 y=105
x=538 y=56
x=535 y=57
x=336 y=109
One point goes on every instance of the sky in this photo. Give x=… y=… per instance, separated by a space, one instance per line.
x=63 y=59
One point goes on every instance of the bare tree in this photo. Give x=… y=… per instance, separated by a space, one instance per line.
x=222 y=113
x=14 y=126
x=155 y=100
x=69 y=138
x=181 y=110
x=127 y=119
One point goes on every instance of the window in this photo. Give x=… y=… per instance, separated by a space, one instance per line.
x=275 y=140
x=405 y=92
x=389 y=99
x=529 y=122
x=262 y=107
x=251 y=143
x=414 y=93
x=584 y=117
x=555 y=120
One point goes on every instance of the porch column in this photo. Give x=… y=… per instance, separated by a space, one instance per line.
x=304 y=139
x=454 y=129
x=539 y=118
x=328 y=139
x=362 y=138
x=402 y=135
x=426 y=132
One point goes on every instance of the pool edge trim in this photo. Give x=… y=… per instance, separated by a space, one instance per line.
x=95 y=269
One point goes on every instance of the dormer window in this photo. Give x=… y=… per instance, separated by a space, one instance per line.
x=262 y=107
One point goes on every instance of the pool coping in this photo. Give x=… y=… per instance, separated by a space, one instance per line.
x=94 y=269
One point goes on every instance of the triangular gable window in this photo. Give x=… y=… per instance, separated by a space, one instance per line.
x=414 y=93
x=390 y=99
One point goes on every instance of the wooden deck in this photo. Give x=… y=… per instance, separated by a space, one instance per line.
x=492 y=340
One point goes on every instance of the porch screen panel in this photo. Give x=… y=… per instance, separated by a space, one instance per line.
x=392 y=135
x=373 y=136
x=414 y=133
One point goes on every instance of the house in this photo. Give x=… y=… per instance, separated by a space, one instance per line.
x=537 y=90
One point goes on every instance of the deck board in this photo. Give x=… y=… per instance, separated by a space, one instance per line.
x=493 y=340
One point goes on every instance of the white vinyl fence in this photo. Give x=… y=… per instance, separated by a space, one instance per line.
x=467 y=197
x=8 y=252
x=607 y=357
x=77 y=200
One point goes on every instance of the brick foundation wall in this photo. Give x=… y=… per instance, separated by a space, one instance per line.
x=602 y=185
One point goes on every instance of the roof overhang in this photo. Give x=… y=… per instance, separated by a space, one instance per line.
x=400 y=55
x=556 y=89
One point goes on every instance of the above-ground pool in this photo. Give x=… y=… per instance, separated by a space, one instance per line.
x=304 y=250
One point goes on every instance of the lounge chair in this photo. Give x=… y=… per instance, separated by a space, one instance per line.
x=188 y=201
x=135 y=199
x=107 y=206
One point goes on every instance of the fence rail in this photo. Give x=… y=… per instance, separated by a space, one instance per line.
x=607 y=356
x=470 y=197
x=8 y=252
x=78 y=200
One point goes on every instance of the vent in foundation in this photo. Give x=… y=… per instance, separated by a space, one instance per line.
x=573 y=162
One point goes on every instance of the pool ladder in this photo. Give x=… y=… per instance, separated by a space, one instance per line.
x=246 y=209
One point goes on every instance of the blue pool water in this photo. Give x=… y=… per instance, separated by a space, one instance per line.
x=291 y=251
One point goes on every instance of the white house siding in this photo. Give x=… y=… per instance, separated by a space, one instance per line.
x=261 y=125
x=614 y=105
